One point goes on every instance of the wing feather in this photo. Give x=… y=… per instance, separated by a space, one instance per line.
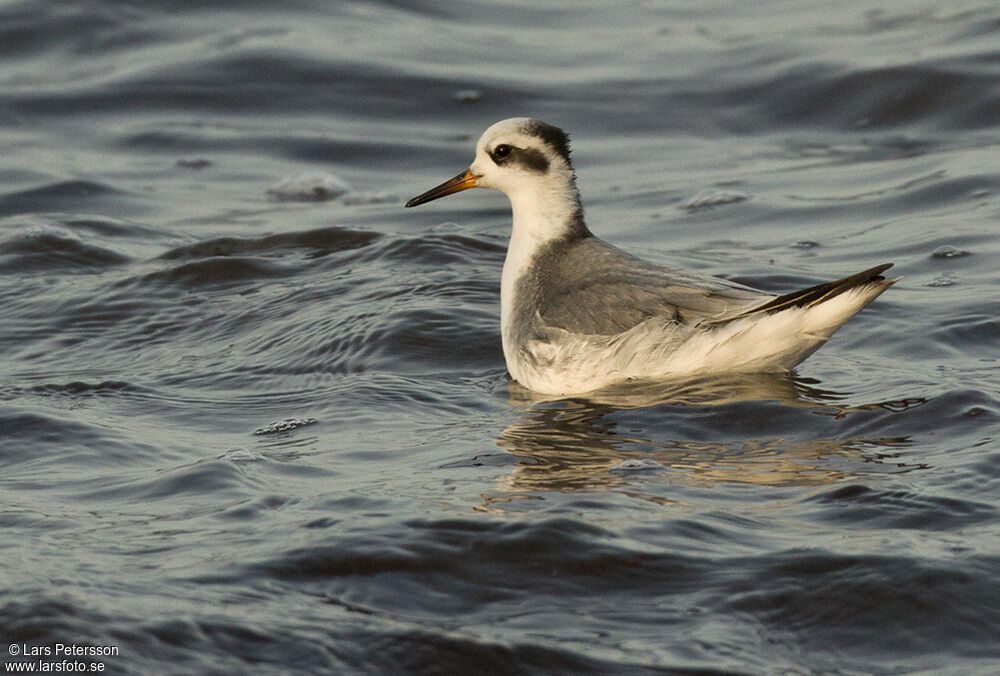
x=596 y=289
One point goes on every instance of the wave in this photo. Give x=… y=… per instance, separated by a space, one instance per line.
x=317 y=243
x=52 y=249
x=63 y=195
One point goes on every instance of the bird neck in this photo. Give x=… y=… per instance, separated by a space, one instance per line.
x=541 y=216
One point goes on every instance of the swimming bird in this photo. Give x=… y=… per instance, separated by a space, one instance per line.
x=578 y=314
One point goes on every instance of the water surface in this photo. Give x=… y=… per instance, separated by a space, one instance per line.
x=253 y=425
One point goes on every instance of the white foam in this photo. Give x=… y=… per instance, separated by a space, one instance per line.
x=309 y=187
x=636 y=465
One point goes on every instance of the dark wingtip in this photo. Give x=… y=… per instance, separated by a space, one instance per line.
x=877 y=271
x=823 y=292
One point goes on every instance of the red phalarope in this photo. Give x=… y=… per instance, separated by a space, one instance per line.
x=578 y=314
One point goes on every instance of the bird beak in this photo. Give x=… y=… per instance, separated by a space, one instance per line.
x=463 y=181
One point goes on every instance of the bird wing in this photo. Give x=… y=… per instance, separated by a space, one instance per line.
x=597 y=289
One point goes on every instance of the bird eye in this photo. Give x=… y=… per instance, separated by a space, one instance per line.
x=501 y=151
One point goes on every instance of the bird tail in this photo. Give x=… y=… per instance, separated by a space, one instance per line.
x=785 y=330
x=814 y=295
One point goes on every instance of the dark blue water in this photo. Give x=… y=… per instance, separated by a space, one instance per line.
x=255 y=418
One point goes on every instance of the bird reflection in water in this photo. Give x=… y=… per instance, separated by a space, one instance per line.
x=720 y=430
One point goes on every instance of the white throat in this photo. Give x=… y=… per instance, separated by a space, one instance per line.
x=538 y=218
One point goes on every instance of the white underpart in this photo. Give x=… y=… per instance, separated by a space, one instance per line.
x=659 y=348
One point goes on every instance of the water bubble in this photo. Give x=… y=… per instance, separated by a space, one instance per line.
x=948 y=251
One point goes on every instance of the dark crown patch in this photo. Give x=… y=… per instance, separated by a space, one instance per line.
x=555 y=137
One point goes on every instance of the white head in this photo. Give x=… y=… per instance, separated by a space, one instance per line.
x=528 y=161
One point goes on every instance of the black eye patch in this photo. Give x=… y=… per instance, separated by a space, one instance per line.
x=529 y=158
